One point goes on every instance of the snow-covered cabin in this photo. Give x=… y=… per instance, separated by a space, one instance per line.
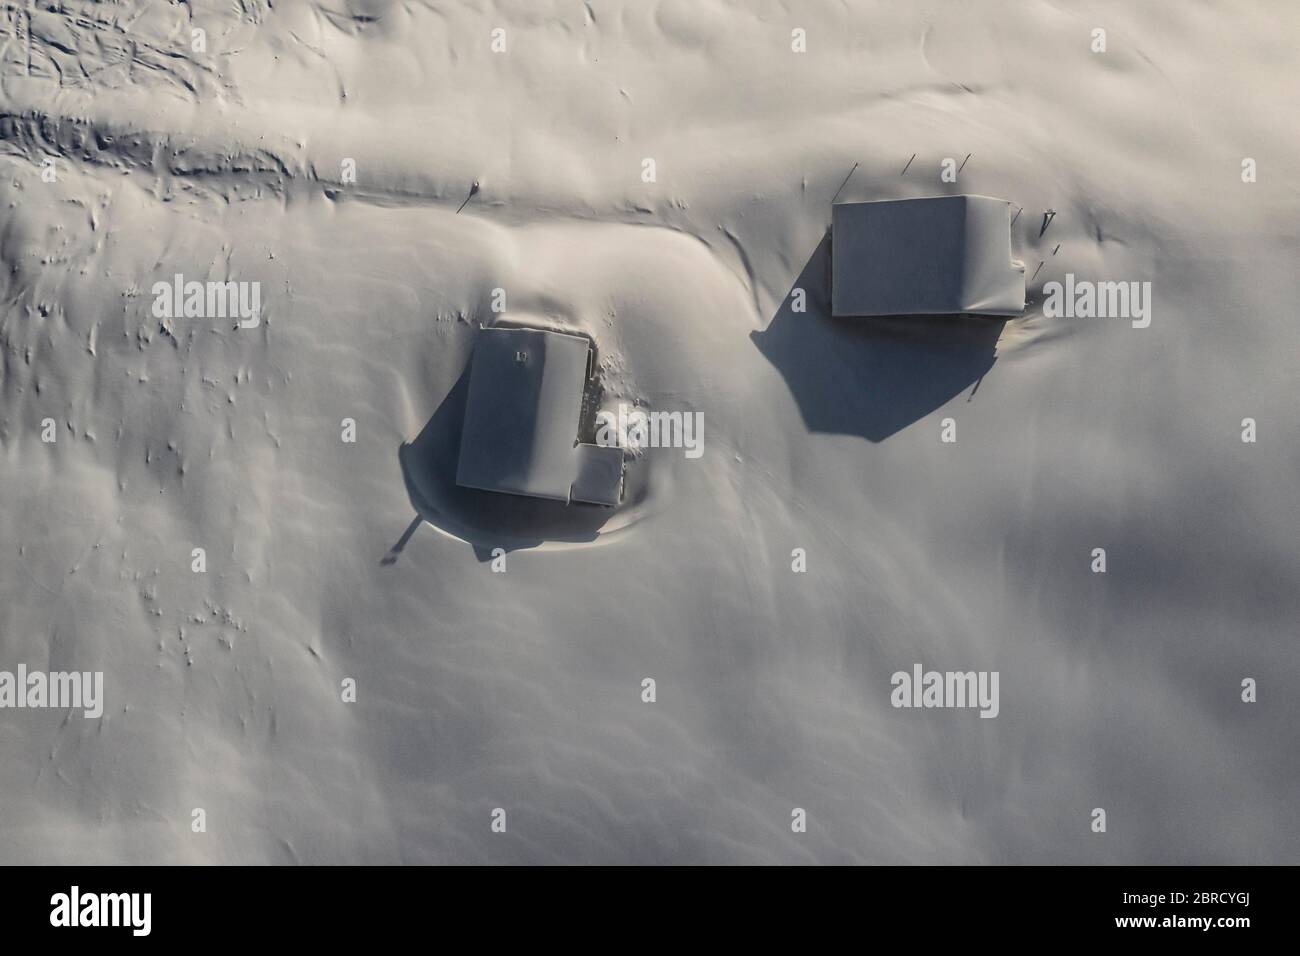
x=936 y=256
x=522 y=416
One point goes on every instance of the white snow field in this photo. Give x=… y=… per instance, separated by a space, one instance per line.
x=374 y=665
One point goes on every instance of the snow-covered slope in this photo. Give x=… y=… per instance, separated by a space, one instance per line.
x=659 y=176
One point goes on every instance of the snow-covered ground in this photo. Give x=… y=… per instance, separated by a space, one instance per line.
x=657 y=175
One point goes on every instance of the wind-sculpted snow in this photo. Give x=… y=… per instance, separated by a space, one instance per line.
x=242 y=270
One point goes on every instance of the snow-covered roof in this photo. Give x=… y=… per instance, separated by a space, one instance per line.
x=521 y=420
x=936 y=256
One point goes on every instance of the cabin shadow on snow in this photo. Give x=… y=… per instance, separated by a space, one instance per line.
x=871 y=376
x=486 y=519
